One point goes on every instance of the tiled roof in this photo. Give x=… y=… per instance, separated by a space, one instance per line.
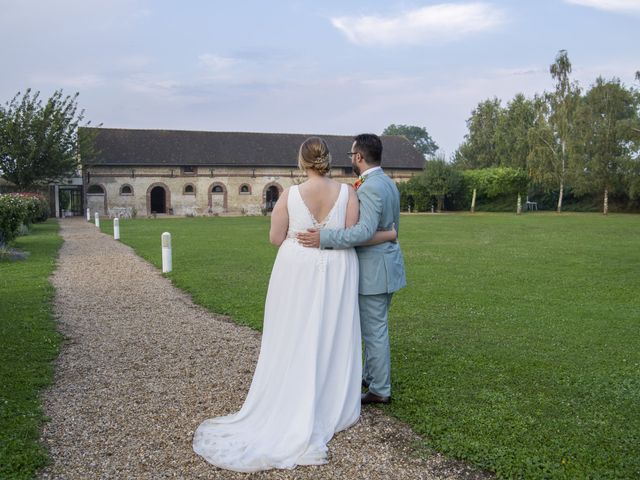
x=241 y=149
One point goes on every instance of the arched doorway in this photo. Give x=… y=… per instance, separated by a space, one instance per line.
x=158 y=200
x=217 y=198
x=271 y=197
x=96 y=199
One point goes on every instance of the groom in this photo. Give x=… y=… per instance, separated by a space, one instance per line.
x=381 y=266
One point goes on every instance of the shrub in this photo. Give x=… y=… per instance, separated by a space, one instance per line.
x=17 y=209
x=13 y=212
x=38 y=207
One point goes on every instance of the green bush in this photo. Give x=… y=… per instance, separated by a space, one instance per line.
x=18 y=209
x=37 y=207
x=438 y=186
x=444 y=187
x=495 y=182
x=13 y=212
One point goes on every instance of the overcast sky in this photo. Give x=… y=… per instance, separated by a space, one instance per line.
x=321 y=67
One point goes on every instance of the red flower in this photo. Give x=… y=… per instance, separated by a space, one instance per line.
x=359 y=182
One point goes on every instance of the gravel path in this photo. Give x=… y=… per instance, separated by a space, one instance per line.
x=142 y=366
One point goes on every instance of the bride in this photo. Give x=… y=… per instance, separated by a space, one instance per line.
x=306 y=385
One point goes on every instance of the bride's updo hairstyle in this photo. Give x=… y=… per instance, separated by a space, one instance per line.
x=314 y=155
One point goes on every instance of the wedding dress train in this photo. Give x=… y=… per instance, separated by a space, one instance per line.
x=306 y=384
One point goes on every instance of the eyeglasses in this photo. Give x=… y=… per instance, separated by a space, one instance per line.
x=351 y=154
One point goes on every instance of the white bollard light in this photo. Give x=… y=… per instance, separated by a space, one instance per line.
x=166 y=252
x=116 y=228
x=97 y=220
x=88 y=214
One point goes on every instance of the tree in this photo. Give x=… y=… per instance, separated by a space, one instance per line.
x=553 y=129
x=543 y=161
x=512 y=132
x=479 y=147
x=633 y=175
x=40 y=142
x=438 y=182
x=607 y=117
x=418 y=136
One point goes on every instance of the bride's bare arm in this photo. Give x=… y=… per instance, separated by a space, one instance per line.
x=353 y=209
x=279 y=220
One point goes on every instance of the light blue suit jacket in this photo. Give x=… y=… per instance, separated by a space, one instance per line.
x=381 y=266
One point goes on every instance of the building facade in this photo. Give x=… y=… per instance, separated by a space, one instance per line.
x=186 y=173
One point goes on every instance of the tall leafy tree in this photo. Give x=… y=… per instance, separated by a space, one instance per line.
x=418 y=136
x=552 y=134
x=637 y=94
x=512 y=132
x=40 y=142
x=479 y=147
x=633 y=179
x=608 y=121
x=544 y=159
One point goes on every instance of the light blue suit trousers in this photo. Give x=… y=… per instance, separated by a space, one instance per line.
x=374 y=324
x=381 y=273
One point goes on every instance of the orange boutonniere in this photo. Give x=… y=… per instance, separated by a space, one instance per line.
x=359 y=182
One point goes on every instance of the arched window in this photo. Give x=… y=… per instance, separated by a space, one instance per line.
x=217 y=189
x=189 y=189
x=245 y=189
x=126 y=190
x=95 y=189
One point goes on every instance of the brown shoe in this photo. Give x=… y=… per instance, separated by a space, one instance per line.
x=369 y=397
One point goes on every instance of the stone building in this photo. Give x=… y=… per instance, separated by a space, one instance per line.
x=147 y=172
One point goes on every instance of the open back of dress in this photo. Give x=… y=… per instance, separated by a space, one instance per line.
x=306 y=385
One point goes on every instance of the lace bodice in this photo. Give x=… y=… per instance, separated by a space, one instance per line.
x=300 y=218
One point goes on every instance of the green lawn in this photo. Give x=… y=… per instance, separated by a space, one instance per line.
x=28 y=344
x=516 y=344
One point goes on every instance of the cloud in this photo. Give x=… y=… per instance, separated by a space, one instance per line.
x=133 y=62
x=146 y=84
x=216 y=63
x=427 y=25
x=610 y=5
x=246 y=68
x=78 y=81
x=521 y=71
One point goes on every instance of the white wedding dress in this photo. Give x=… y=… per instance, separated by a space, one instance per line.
x=306 y=385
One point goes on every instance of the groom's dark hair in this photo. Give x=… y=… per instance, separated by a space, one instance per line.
x=370 y=147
